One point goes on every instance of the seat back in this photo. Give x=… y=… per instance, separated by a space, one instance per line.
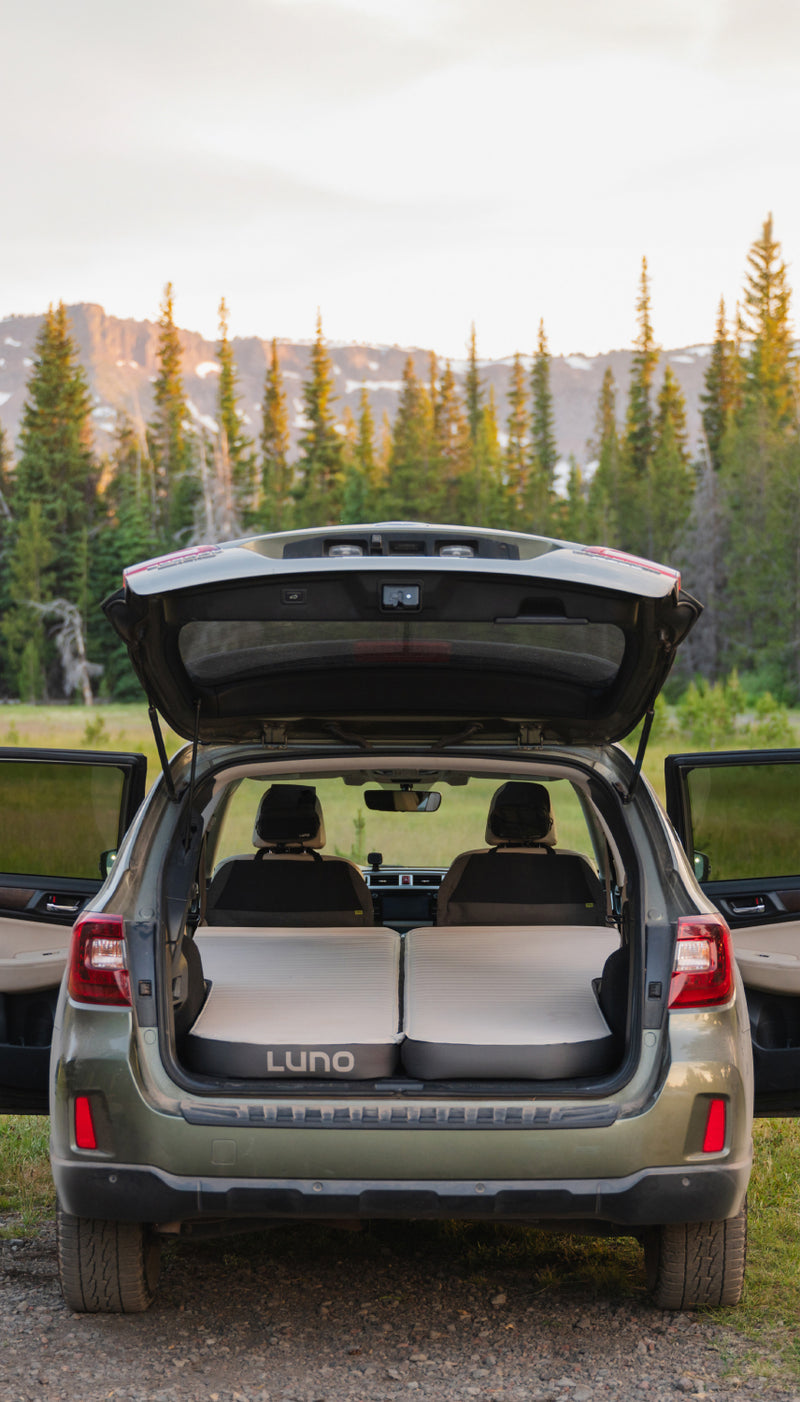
x=521 y=879
x=286 y=882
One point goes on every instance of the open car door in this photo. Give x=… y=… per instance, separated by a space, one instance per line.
x=63 y=814
x=737 y=814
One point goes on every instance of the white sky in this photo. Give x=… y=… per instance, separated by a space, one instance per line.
x=407 y=166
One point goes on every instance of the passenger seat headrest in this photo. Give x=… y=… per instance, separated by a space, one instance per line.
x=289 y=815
x=521 y=815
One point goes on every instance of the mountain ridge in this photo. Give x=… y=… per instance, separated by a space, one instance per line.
x=119 y=356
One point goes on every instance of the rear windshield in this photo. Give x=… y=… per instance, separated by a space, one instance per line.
x=403 y=839
x=58 y=819
x=579 y=651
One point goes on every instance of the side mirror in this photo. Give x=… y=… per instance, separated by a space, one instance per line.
x=107 y=860
x=702 y=866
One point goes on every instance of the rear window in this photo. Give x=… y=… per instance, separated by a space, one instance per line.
x=404 y=839
x=579 y=651
x=58 y=819
x=746 y=819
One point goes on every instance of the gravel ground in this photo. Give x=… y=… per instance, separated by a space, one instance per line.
x=307 y=1314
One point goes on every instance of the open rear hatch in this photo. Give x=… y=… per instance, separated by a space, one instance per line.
x=395 y=632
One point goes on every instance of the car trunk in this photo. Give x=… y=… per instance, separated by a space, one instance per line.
x=508 y=967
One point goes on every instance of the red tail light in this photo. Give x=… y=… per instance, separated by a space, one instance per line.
x=85 y=1137
x=703 y=971
x=714 y=1138
x=98 y=972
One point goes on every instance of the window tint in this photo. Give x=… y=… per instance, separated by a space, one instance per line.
x=58 y=819
x=746 y=819
x=574 y=652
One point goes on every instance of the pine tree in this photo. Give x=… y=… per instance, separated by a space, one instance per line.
x=126 y=533
x=168 y=437
x=410 y=493
x=635 y=506
x=770 y=379
x=759 y=486
x=516 y=465
x=574 y=510
x=53 y=506
x=318 y=494
x=363 y=478
x=607 y=484
x=493 y=506
x=235 y=448
x=5 y=479
x=543 y=449
x=720 y=399
x=450 y=446
x=473 y=390
x=56 y=465
x=275 y=502
x=639 y=432
x=671 y=478
x=30 y=583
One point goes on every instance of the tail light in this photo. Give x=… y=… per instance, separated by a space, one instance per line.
x=714 y=1137
x=702 y=974
x=85 y=1137
x=98 y=972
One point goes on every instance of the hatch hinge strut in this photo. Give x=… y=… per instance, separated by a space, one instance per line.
x=187 y=836
x=162 y=753
x=643 y=739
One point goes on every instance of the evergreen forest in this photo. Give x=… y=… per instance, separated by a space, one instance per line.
x=726 y=514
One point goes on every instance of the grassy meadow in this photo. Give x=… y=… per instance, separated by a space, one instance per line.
x=771 y=1306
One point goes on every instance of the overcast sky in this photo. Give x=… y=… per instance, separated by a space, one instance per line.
x=407 y=166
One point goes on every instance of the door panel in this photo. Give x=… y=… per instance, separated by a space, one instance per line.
x=737 y=814
x=62 y=812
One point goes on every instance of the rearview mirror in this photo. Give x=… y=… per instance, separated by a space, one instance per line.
x=402 y=800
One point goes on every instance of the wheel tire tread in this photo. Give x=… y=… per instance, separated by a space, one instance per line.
x=698 y=1263
x=106 y=1267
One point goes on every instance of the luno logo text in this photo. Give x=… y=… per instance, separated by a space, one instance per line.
x=309 y=1061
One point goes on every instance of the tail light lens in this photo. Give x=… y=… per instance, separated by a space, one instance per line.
x=85 y=1137
x=702 y=974
x=98 y=972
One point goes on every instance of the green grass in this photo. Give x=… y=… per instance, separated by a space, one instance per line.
x=771 y=1306
x=27 y=1196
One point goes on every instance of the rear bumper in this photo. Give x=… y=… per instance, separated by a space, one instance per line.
x=120 y=1192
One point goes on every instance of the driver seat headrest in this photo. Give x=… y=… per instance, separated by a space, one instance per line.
x=521 y=815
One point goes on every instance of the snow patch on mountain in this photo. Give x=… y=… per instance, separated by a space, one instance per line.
x=206 y=367
x=577 y=362
x=9 y=341
x=394 y=386
x=4 y=398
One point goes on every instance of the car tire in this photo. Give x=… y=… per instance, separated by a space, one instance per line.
x=697 y=1263
x=106 y=1267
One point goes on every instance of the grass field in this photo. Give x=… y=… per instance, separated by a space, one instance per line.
x=771 y=1306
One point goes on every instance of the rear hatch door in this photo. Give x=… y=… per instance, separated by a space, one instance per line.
x=281 y=637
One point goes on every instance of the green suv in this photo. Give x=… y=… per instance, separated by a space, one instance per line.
x=401 y=931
